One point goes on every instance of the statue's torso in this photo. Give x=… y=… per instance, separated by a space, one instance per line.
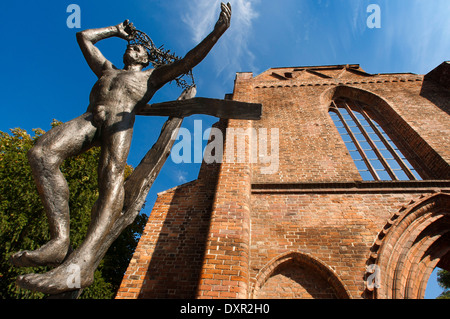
x=121 y=90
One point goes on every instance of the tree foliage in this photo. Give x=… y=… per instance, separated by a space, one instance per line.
x=23 y=223
x=444 y=282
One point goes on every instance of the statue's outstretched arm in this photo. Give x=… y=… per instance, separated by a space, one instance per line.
x=169 y=72
x=87 y=39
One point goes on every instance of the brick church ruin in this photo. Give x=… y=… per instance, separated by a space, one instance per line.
x=359 y=205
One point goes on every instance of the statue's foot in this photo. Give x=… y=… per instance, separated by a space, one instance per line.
x=50 y=254
x=67 y=277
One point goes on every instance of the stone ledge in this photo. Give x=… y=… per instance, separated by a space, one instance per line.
x=355 y=187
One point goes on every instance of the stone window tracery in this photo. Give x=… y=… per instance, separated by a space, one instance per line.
x=375 y=155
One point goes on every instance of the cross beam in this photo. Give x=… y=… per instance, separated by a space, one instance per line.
x=225 y=109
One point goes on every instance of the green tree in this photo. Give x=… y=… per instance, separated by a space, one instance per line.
x=23 y=223
x=444 y=282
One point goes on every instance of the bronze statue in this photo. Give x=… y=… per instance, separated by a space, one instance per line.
x=108 y=122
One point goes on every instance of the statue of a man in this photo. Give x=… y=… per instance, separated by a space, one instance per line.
x=108 y=122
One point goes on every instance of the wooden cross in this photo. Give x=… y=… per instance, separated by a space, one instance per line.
x=140 y=181
x=225 y=109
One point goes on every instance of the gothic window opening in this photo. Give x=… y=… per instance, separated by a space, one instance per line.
x=375 y=155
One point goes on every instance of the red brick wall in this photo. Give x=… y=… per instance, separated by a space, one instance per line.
x=169 y=257
x=312 y=151
x=310 y=229
x=292 y=281
x=337 y=229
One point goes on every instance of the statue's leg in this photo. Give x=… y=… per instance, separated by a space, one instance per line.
x=45 y=158
x=115 y=143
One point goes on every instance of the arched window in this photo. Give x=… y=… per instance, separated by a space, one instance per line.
x=373 y=151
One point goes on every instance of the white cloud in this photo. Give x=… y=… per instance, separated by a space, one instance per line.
x=232 y=52
x=416 y=34
x=200 y=18
x=429 y=34
x=359 y=18
x=180 y=176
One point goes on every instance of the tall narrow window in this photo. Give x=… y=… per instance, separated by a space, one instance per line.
x=375 y=155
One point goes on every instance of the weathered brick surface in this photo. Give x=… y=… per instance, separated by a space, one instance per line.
x=169 y=257
x=337 y=229
x=310 y=229
x=225 y=271
x=295 y=281
x=311 y=150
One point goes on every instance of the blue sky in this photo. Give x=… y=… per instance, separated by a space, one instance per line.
x=45 y=77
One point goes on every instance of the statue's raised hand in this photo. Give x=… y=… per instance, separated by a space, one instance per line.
x=225 y=17
x=126 y=30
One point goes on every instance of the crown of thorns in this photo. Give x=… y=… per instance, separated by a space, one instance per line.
x=160 y=56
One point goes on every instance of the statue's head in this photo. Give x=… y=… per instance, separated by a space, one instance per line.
x=136 y=54
x=146 y=52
